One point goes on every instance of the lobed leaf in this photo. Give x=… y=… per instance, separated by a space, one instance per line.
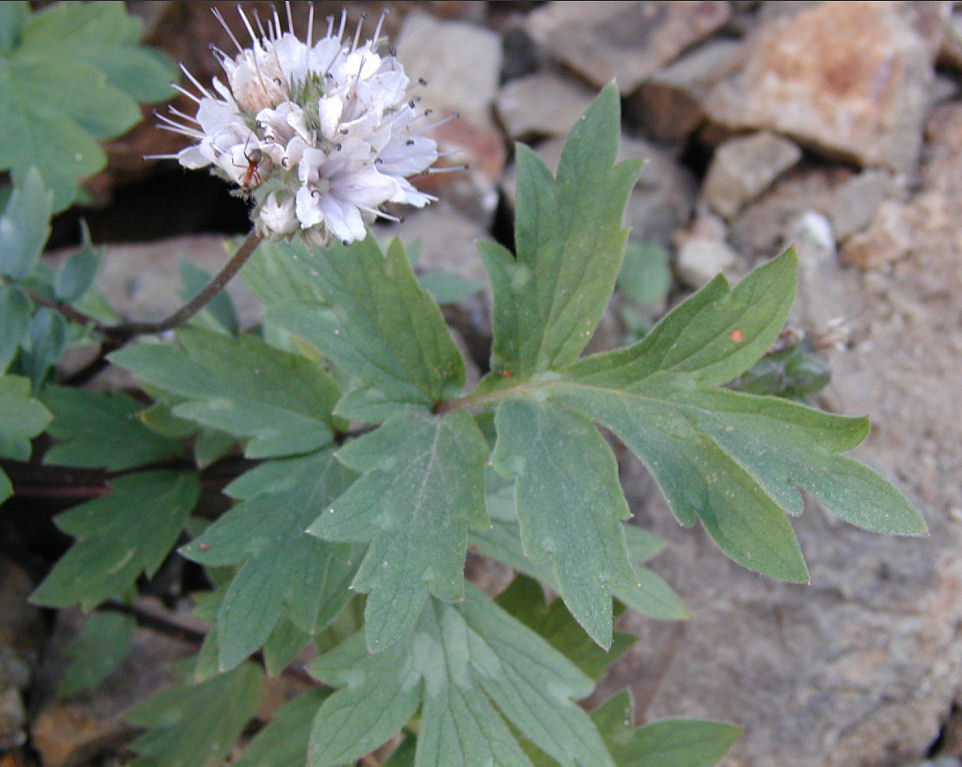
x=25 y=224
x=280 y=402
x=284 y=572
x=422 y=487
x=461 y=661
x=15 y=311
x=71 y=75
x=21 y=417
x=569 y=243
x=195 y=725
x=376 y=321
x=114 y=546
x=101 y=431
x=283 y=743
x=570 y=505
x=99 y=648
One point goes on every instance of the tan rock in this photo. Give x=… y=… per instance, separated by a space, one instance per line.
x=627 y=41
x=887 y=239
x=542 y=104
x=668 y=106
x=851 y=79
x=742 y=168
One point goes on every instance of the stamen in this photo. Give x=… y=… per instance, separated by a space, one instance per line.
x=160 y=156
x=186 y=92
x=250 y=29
x=357 y=32
x=447 y=169
x=230 y=34
x=340 y=29
x=196 y=83
x=377 y=29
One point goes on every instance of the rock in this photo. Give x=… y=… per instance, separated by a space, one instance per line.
x=861 y=668
x=460 y=64
x=857 y=200
x=628 y=41
x=542 y=104
x=662 y=200
x=887 y=239
x=68 y=731
x=21 y=632
x=699 y=260
x=851 y=79
x=742 y=168
x=668 y=106
x=950 y=53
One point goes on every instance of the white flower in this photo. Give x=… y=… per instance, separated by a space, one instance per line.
x=319 y=135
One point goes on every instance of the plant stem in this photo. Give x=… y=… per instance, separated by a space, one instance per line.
x=117 y=335
x=198 y=302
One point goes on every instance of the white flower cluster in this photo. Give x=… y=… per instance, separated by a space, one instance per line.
x=318 y=134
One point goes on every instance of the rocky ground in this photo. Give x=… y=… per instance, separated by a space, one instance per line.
x=836 y=126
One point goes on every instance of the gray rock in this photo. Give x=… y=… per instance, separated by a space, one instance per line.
x=460 y=64
x=668 y=106
x=542 y=104
x=742 y=168
x=21 y=632
x=857 y=200
x=850 y=79
x=627 y=41
x=699 y=260
x=887 y=239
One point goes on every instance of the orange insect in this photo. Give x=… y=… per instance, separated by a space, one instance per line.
x=251 y=176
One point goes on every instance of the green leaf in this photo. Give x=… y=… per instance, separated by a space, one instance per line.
x=273 y=275
x=377 y=322
x=77 y=274
x=195 y=725
x=645 y=275
x=524 y=599
x=422 y=487
x=119 y=536
x=670 y=743
x=25 y=224
x=570 y=504
x=281 y=402
x=45 y=342
x=220 y=309
x=461 y=662
x=97 y=651
x=569 y=244
x=73 y=76
x=714 y=335
x=6 y=489
x=284 y=571
x=448 y=288
x=283 y=743
x=13 y=16
x=101 y=431
x=15 y=311
x=21 y=418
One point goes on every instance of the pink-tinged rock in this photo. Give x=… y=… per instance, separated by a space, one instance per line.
x=850 y=79
x=628 y=41
x=542 y=104
x=460 y=65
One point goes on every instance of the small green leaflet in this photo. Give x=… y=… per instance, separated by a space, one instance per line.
x=195 y=725
x=25 y=225
x=15 y=311
x=97 y=651
x=71 y=75
x=524 y=599
x=669 y=743
x=280 y=401
x=119 y=536
x=422 y=487
x=569 y=244
x=101 y=431
x=570 y=505
x=283 y=743
x=77 y=274
x=376 y=321
x=21 y=418
x=461 y=661
x=285 y=572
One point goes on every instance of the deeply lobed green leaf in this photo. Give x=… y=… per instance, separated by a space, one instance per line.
x=21 y=417
x=280 y=402
x=422 y=487
x=376 y=322
x=284 y=573
x=461 y=661
x=114 y=546
x=569 y=243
